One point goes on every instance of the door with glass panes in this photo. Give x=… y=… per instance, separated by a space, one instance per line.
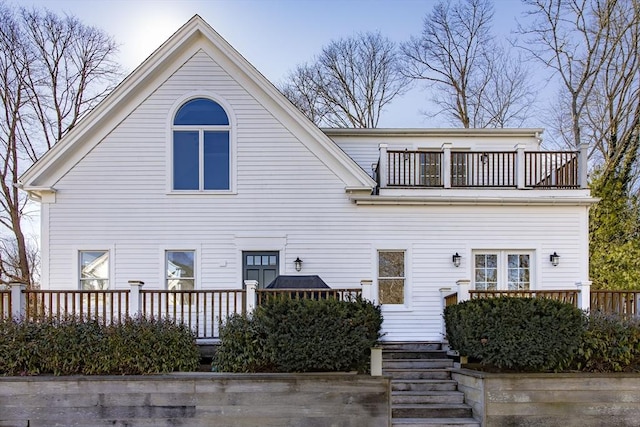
x=260 y=266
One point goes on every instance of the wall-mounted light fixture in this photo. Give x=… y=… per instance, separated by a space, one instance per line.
x=298 y=263
x=456 y=258
x=554 y=258
x=484 y=158
x=406 y=154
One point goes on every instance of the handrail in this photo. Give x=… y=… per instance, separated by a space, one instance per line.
x=105 y=305
x=479 y=169
x=623 y=303
x=202 y=310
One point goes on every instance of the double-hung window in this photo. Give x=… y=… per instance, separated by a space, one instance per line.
x=502 y=270
x=201 y=150
x=94 y=270
x=391 y=277
x=180 y=267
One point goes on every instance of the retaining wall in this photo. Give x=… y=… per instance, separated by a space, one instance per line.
x=197 y=399
x=563 y=399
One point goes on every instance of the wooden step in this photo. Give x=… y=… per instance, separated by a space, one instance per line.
x=435 y=410
x=424 y=385
x=435 y=422
x=419 y=374
x=429 y=397
x=410 y=345
x=416 y=363
x=414 y=354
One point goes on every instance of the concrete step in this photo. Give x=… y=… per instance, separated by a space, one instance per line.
x=416 y=364
x=420 y=397
x=424 y=385
x=414 y=354
x=436 y=410
x=419 y=374
x=435 y=422
x=409 y=345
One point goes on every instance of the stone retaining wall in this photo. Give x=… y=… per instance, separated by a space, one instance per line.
x=563 y=399
x=196 y=399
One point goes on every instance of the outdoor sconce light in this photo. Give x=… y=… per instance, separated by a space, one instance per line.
x=555 y=259
x=298 y=263
x=406 y=154
x=456 y=259
x=484 y=158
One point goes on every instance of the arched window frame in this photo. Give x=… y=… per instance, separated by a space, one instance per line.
x=230 y=128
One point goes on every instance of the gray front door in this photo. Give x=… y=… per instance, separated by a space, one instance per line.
x=260 y=266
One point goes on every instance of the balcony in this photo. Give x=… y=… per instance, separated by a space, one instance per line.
x=448 y=168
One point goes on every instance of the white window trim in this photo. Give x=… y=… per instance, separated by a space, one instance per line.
x=231 y=128
x=502 y=265
x=408 y=280
x=194 y=247
x=75 y=256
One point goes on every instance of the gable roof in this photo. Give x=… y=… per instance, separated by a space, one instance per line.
x=193 y=36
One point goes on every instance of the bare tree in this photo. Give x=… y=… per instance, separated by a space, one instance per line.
x=52 y=70
x=593 y=46
x=473 y=80
x=349 y=83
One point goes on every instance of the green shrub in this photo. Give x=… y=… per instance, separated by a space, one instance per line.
x=530 y=334
x=71 y=346
x=611 y=344
x=242 y=346
x=301 y=335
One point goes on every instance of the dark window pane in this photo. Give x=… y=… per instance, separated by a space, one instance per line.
x=216 y=160
x=180 y=264
x=185 y=161
x=201 y=111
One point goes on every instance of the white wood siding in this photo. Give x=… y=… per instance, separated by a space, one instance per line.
x=287 y=200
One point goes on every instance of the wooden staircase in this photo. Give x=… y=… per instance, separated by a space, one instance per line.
x=422 y=391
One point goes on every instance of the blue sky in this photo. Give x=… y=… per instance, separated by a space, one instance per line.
x=274 y=35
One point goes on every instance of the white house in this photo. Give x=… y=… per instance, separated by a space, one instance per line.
x=197 y=167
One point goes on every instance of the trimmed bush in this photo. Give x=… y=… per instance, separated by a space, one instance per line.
x=301 y=335
x=70 y=347
x=611 y=344
x=529 y=334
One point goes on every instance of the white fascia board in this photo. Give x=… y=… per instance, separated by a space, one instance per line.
x=472 y=201
x=433 y=132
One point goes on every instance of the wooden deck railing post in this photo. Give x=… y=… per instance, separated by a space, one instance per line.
x=383 y=167
x=584 y=298
x=445 y=172
x=135 y=302
x=583 y=165
x=18 y=300
x=520 y=166
x=250 y=287
x=463 y=289
x=367 y=289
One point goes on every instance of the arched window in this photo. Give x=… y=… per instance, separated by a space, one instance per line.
x=201 y=153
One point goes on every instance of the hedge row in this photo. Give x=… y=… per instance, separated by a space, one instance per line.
x=533 y=334
x=300 y=335
x=70 y=346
